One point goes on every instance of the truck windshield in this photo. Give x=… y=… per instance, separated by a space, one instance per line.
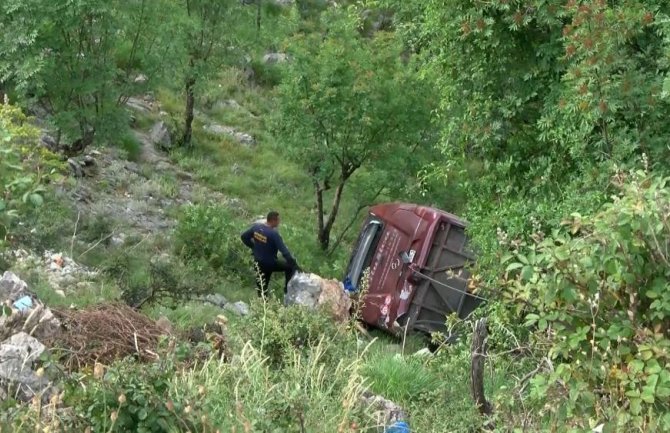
x=364 y=250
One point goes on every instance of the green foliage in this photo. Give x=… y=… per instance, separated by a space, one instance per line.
x=349 y=104
x=598 y=292
x=64 y=59
x=251 y=394
x=24 y=166
x=401 y=379
x=546 y=96
x=281 y=332
x=265 y=75
x=131 y=398
x=211 y=234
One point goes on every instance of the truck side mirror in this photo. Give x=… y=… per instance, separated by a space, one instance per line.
x=405 y=258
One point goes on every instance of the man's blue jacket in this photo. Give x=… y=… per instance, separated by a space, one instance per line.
x=265 y=241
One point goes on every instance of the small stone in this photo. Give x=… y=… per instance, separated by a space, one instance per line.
x=216 y=299
x=228 y=104
x=275 y=58
x=239 y=307
x=118 y=240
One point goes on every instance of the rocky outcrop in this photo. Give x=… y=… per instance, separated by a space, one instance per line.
x=18 y=355
x=84 y=166
x=23 y=323
x=160 y=136
x=241 y=137
x=312 y=291
x=12 y=287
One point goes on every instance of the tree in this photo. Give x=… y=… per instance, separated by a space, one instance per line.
x=78 y=60
x=542 y=100
x=348 y=105
x=207 y=38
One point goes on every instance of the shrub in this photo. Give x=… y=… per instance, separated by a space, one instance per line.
x=24 y=166
x=279 y=332
x=159 y=278
x=265 y=75
x=132 y=398
x=598 y=292
x=210 y=233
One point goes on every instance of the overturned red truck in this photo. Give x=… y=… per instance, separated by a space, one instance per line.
x=415 y=260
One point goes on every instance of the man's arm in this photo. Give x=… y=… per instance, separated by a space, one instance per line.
x=283 y=250
x=247 y=237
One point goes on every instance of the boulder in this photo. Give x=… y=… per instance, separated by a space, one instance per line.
x=312 y=291
x=241 y=137
x=160 y=136
x=12 y=287
x=140 y=105
x=275 y=58
x=49 y=142
x=18 y=354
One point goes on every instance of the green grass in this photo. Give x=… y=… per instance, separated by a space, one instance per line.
x=399 y=378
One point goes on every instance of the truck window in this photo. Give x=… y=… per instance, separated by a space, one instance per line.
x=367 y=243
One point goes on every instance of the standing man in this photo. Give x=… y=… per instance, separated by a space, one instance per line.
x=265 y=241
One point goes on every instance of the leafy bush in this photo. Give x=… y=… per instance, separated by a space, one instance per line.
x=145 y=279
x=211 y=233
x=132 y=398
x=279 y=332
x=265 y=75
x=23 y=167
x=598 y=292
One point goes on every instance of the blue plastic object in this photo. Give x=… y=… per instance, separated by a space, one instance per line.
x=348 y=286
x=398 y=427
x=23 y=304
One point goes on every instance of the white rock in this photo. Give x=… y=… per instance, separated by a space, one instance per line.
x=275 y=58
x=11 y=287
x=239 y=307
x=17 y=355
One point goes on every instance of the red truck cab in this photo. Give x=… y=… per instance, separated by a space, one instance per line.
x=414 y=258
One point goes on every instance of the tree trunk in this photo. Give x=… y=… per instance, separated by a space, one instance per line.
x=258 y=18
x=325 y=229
x=188 y=113
x=478 y=348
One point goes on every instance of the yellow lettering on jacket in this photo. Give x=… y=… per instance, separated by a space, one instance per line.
x=260 y=237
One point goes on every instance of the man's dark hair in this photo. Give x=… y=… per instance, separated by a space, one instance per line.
x=272 y=215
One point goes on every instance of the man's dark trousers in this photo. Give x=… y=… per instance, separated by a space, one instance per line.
x=264 y=272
